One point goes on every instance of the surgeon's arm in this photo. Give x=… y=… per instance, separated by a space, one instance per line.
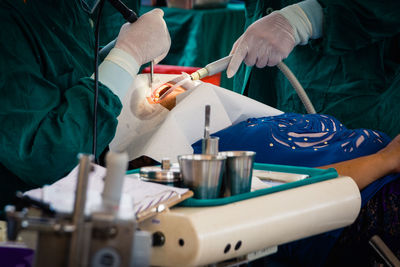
x=45 y=126
x=367 y=169
x=46 y=122
x=46 y=110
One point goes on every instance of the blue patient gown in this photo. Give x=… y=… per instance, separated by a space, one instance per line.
x=309 y=140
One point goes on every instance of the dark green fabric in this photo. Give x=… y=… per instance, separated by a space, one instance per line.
x=46 y=94
x=352 y=72
x=201 y=36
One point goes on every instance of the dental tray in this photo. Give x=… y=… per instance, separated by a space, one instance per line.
x=303 y=176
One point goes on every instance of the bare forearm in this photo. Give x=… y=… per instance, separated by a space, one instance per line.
x=363 y=170
x=367 y=169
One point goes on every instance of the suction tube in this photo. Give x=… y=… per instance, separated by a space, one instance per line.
x=297 y=87
x=222 y=64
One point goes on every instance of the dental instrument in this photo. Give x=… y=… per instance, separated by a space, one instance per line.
x=207 y=122
x=209 y=143
x=221 y=65
x=210 y=69
x=159 y=93
x=151 y=73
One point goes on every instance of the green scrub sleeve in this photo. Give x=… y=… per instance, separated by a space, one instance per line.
x=46 y=115
x=44 y=131
x=352 y=25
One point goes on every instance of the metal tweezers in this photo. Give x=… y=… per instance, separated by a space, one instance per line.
x=151 y=73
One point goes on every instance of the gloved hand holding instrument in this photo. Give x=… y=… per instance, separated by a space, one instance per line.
x=266 y=42
x=270 y=40
x=139 y=41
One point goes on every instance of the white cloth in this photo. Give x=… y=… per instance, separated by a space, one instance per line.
x=159 y=133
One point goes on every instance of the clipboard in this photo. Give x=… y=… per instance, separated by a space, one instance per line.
x=160 y=204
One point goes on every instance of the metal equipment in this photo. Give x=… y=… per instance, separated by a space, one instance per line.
x=164 y=174
x=184 y=236
x=212 y=68
x=99 y=238
x=151 y=73
x=209 y=144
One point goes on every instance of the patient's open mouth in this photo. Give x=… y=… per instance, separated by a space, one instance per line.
x=160 y=91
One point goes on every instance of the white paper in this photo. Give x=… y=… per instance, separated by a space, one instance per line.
x=279 y=177
x=136 y=196
x=171 y=133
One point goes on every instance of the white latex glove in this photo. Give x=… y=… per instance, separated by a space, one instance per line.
x=267 y=41
x=146 y=39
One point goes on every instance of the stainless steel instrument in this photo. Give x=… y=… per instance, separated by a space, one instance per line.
x=100 y=238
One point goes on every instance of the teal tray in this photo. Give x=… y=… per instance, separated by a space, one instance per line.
x=315 y=176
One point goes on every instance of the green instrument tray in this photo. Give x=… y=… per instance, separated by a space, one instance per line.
x=315 y=176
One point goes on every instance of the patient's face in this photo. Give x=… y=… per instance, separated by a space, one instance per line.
x=168 y=101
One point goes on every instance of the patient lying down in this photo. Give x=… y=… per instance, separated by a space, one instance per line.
x=313 y=140
x=317 y=136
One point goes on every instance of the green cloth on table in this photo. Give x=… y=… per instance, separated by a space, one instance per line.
x=201 y=36
x=352 y=72
x=46 y=92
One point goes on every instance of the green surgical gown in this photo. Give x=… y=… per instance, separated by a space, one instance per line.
x=352 y=72
x=46 y=93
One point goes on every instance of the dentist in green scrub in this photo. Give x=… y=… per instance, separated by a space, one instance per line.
x=46 y=105
x=346 y=54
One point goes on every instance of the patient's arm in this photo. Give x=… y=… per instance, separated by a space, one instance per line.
x=367 y=169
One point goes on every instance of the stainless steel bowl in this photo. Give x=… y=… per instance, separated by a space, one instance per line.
x=202 y=174
x=238 y=172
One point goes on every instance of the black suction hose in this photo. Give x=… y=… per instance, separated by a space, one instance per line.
x=127 y=13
